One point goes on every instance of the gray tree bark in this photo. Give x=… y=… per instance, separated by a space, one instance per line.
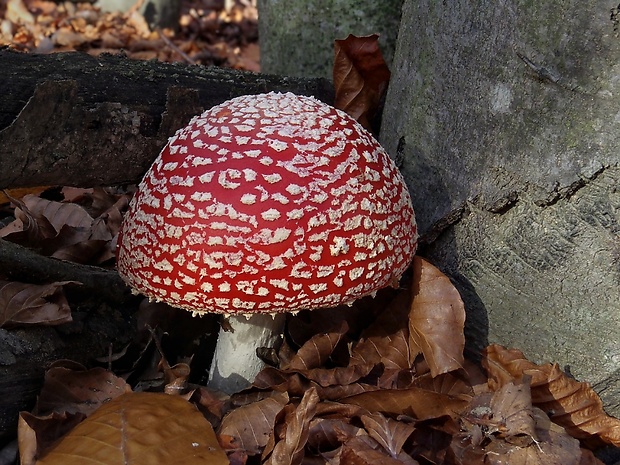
x=504 y=117
x=297 y=37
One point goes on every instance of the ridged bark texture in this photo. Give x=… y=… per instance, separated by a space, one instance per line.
x=503 y=117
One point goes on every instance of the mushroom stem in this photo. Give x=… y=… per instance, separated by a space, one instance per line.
x=235 y=363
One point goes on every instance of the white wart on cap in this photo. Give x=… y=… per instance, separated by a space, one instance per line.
x=268 y=203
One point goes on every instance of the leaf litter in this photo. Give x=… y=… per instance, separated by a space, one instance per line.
x=382 y=381
x=313 y=408
x=206 y=33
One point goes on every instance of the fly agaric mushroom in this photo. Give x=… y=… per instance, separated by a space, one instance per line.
x=262 y=205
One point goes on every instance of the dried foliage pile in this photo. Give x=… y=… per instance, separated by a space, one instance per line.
x=384 y=381
x=207 y=33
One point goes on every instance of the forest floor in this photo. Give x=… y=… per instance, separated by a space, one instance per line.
x=384 y=380
x=207 y=33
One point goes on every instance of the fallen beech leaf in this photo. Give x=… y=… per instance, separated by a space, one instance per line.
x=28 y=304
x=360 y=77
x=36 y=434
x=236 y=455
x=74 y=390
x=328 y=433
x=253 y=423
x=176 y=377
x=212 y=404
x=448 y=383
x=7 y=194
x=512 y=412
x=360 y=451
x=339 y=376
x=28 y=228
x=554 y=447
x=140 y=428
x=58 y=214
x=391 y=434
x=290 y=450
x=386 y=340
x=317 y=350
x=418 y=403
x=588 y=458
x=84 y=252
x=571 y=404
x=437 y=319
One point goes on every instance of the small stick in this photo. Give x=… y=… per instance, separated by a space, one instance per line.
x=171 y=44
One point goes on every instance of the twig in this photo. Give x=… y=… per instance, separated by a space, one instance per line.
x=542 y=73
x=171 y=44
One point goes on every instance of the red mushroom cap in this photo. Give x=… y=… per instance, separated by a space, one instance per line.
x=268 y=203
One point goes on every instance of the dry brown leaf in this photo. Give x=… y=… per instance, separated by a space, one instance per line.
x=7 y=194
x=554 y=447
x=28 y=304
x=512 y=412
x=253 y=423
x=360 y=77
x=414 y=402
x=37 y=434
x=85 y=252
x=317 y=350
x=28 y=228
x=588 y=458
x=328 y=433
x=449 y=383
x=78 y=390
x=360 y=451
x=437 y=319
x=571 y=404
x=386 y=340
x=58 y=214
x=140 y=428
x=391 y=434
x=290 y=450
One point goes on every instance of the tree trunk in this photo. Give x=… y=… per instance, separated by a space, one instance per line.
x=297 y=37
x=73 y=119
x=504 y=119
x=158 y=13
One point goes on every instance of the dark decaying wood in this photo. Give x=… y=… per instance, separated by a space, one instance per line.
x=73 y=119
x=70 y=118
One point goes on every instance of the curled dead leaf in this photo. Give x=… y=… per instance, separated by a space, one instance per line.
x=317 y=350
x=414 y=402
x=30 y=304
x=436 y=319
x=387 y=339
x=71 y=389
x=37 y=434
x=360 y=77
x=571 y=404
x=253 y=423
x=391 y=434
x=290 y=450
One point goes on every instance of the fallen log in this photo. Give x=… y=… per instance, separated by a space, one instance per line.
x=74 y=119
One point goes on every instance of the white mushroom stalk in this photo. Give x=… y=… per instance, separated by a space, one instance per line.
x=266 y=204
x=235 y=362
